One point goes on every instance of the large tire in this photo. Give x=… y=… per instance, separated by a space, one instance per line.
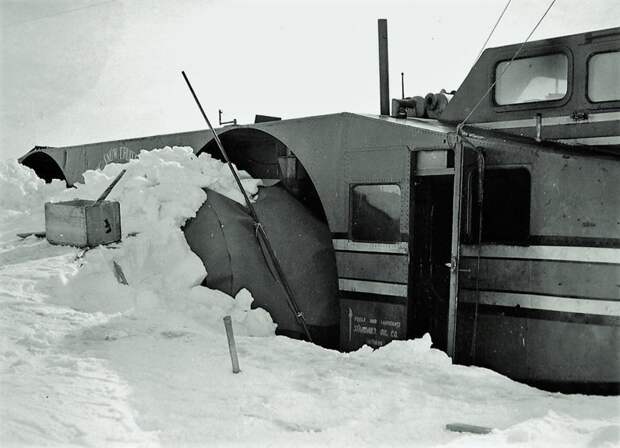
x=222 y=234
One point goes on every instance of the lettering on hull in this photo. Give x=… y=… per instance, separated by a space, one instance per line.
x=371 y=323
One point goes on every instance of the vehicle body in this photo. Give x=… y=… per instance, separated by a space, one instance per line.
x=500 y=238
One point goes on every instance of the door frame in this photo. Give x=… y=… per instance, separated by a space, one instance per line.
x=457 y=198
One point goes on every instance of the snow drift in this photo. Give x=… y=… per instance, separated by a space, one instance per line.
x=85 y=360
x=160 y=191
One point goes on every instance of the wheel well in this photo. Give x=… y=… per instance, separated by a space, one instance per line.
x=44 y=166
x=264 y=156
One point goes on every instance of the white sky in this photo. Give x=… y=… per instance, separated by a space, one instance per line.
x=80 y=71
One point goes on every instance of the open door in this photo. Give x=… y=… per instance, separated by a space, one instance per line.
x=430 y=257
x=435 y=219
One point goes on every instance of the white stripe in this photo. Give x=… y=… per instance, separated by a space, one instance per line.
x=434 y=172
x=549 y=303
x=549 y=121
x=388 y=289
x=610 y=140
x=529 y=122
x=384 y=248
x=558 y=253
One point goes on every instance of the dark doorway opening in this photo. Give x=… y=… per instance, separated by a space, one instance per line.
x=429 y=268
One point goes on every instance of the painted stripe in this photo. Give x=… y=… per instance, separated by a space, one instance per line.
x=549 y=121
x=383 y=248
x=387 y=289
x=434 y=172
x=557 y=253
x=548 y=303
x=610 y=140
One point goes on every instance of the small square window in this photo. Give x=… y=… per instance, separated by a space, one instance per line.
x=375 y=213
x=604 y=76
x=530 y=80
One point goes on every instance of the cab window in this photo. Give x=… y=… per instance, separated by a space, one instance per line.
x=529 y=80
x=375 y=213
x=603 y=76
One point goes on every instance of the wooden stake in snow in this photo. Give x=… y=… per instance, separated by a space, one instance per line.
x=119 y=274
x=232 y=347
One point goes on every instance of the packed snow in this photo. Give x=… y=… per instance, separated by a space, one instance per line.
x=86 y=360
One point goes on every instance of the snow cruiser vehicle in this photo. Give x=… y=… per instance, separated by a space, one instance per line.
x=489 y=218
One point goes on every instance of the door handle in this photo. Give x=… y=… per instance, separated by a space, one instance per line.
x=452 y=267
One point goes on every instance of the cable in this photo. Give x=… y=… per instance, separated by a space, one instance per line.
x=480 y=200
x=492 y=31
x=60 y=13
x=460 y=126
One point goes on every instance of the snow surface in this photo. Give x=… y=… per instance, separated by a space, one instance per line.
x=85 y=360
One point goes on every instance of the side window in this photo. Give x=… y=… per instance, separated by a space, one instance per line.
x=505 y=206
x=529 y=80
x=603 y=76
x=375 y=213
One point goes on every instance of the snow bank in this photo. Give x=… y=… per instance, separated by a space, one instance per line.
x=161 y=189
x=21 y=190
x=22 y=194
x=86 y=361
x=52 y=296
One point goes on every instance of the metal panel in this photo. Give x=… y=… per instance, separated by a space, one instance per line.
x=573 y=279
x=572 y=196
x=372 y=266
x=377 y=165
x=538 y=346
x=569 y=354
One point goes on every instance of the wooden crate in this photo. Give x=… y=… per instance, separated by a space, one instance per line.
x=82 y=223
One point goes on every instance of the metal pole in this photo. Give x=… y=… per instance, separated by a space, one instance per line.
x=221 y=147
x=384 y=75
x=260 y=231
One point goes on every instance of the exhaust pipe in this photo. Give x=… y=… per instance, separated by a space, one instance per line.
x=384 y=81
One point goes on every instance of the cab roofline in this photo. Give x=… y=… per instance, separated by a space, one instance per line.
x=472 y=132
